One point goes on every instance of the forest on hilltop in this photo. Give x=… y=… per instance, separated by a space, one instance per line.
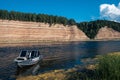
x=89 y=28
x=13 y=15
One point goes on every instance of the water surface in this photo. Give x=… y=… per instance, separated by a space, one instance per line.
x=56 y=56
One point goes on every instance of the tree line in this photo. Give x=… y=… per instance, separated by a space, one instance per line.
x=91 y=28
x=13 y=15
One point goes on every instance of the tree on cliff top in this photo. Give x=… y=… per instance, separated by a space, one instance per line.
x=71 y=22
x=13 y=15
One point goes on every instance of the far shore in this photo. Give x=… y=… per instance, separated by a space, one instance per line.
x=45 y=42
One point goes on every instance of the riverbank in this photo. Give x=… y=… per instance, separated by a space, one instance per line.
x=56 y=74
x=107 y=64
x=35 y=43
x=44 y=42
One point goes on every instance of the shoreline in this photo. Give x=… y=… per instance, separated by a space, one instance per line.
x=75 y=72
x=41 y=42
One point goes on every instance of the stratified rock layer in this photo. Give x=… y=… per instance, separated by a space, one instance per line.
x=20 y=31
x=107 y=33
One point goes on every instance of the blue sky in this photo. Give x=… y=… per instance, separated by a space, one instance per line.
x=80 y=10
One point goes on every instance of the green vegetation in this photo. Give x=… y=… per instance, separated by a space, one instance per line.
x=92 y=28
x=13 y=15
x=108 y=68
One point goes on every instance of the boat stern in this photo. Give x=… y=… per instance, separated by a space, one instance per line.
x=20 y=59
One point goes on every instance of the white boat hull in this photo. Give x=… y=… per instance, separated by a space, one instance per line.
x=28 y=62
x=27 y=58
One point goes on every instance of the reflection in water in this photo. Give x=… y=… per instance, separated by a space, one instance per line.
x=36 y=69
x=26 y=70
x=60 y=56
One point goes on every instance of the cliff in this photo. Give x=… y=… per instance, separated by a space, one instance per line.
x=107 y=33
x=20 y=31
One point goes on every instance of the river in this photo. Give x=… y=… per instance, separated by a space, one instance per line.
x=56 y=56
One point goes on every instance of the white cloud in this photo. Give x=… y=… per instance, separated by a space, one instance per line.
x=110 y=12
x=119 y=5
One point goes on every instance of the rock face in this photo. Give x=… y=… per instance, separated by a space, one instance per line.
x=107 y=33
x=19 y=31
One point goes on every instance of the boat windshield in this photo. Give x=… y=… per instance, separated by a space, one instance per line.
x=34 y=54
x=23 y=54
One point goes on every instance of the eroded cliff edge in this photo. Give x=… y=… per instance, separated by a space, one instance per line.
x=20 y=31
x=107 y=33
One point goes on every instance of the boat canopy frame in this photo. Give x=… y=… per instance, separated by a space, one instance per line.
x=29 y=54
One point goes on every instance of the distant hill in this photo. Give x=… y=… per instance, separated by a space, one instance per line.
x=92 y=28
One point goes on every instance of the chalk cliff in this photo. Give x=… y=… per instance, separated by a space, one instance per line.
x=107 y=33
x=21 y=31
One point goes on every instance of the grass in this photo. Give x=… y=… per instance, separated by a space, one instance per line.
x=107 y=68
x=52 y=75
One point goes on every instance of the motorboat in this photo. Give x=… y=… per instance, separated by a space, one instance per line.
x=27 y=58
